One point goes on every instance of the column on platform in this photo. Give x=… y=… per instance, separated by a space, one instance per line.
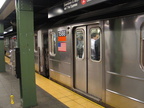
x=25 y=34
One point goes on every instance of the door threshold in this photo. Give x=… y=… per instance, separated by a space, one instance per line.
x=95 y=99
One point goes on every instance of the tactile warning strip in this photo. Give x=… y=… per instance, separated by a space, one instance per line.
x=66 y=96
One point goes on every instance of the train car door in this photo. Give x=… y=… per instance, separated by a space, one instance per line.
x=88 y=59
x=95 y=60
x=80 y=59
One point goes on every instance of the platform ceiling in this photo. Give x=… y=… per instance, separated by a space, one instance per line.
x=41 y=7
x=8 y=14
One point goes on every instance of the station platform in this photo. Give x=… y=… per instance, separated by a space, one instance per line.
x=49 y=93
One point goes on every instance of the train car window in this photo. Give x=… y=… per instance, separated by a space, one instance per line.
x=142 y=46
x=95 y=43
x=53 y=44
x=79 y=43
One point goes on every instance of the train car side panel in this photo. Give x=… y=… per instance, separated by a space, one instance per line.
x=61 y=58
x=124 y=77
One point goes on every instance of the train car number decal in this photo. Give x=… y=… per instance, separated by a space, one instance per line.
x=62 y=35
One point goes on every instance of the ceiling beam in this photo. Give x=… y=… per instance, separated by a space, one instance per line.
x=8 y=10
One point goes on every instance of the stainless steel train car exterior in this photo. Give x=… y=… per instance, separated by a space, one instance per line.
x=61 y=62
x=117 y=76
x=9 y=44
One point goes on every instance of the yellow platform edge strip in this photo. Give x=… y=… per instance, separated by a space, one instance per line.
x=66 y=96
x=7 y=60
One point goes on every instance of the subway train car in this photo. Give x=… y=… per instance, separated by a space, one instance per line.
x=10 y=42
x=115 y=76
x=100 y=56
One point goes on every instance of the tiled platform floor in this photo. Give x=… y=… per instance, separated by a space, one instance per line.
x=9 y=84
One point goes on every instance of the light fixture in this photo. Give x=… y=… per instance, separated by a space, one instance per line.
x=2 y=3
x=59 y=11
x=50 y=15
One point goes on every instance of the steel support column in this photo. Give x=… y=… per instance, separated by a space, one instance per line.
x=25 y=34
x=2 y=61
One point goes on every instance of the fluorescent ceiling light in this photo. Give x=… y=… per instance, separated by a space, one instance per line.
x=1 y=3
x=59 y=11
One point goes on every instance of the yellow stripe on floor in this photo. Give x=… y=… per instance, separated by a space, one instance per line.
x=66 y=96
x=7 y=60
